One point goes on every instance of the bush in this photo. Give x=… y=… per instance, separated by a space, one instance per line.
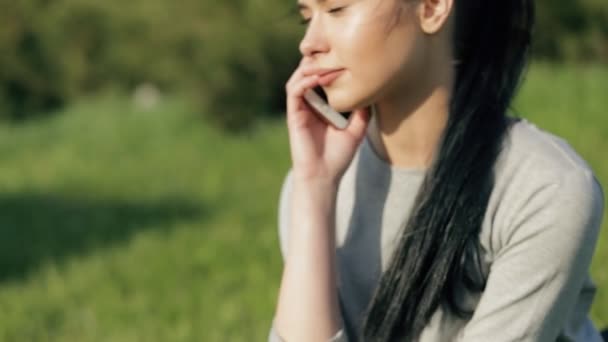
x=569 y=30
x=233 y=58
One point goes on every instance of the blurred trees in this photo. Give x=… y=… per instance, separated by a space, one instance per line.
x=572 y=30
x=232 y=57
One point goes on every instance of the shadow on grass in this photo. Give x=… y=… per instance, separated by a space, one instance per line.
x=37 y=228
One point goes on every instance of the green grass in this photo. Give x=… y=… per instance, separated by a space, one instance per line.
x=124 y=225
x=119 y=225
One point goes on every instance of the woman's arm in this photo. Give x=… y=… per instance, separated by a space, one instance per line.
x=307 y=308
x=538 y=273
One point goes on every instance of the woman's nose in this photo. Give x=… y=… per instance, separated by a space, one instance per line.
x=314 y=40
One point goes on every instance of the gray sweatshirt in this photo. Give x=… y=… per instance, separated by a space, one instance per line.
x=538 y=237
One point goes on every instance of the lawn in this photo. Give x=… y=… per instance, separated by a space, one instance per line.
x=120 y=224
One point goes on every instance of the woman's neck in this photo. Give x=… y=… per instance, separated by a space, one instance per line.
x=405 y=130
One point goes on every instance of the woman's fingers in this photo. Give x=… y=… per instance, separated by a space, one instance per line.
x=359 y=122
x=295 y=94
x=300 y=73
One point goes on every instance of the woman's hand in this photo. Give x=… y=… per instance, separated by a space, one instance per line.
x=319 y=151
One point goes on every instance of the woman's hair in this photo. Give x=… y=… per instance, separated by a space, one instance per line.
x=438 y=253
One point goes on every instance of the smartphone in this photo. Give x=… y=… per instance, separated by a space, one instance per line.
x=318 y=101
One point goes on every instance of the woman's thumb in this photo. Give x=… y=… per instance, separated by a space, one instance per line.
x=357 y=125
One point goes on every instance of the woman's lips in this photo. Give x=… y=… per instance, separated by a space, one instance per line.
x=328 y=78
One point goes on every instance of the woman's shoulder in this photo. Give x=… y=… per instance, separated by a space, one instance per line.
x=533 y=159
x=533 y=150
x=541 y=181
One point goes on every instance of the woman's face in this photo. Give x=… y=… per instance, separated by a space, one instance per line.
x=379 y=50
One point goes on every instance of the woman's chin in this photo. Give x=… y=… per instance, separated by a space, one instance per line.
x=344 y=107
x=340 y=102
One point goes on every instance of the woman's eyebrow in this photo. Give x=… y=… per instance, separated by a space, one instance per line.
x=302 y=5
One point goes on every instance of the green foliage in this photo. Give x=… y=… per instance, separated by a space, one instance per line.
x=228 y=56
x=569 y=30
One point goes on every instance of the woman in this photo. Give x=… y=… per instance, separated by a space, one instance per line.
x=440 y=217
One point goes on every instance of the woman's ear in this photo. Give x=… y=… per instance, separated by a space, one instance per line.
x=434 y=14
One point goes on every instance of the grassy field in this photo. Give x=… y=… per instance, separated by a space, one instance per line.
x=124 y=225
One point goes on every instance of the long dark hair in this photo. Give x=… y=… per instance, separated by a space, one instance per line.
x=440 y=241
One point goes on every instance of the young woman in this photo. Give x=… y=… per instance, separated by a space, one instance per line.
x=440 y=217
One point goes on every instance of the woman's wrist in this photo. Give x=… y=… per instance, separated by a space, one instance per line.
x=326 y=183
x=314 y=196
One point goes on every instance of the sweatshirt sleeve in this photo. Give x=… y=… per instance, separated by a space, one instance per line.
x=283 y=219
x=544 y=258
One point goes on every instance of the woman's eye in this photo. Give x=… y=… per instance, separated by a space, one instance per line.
x=305 y=21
